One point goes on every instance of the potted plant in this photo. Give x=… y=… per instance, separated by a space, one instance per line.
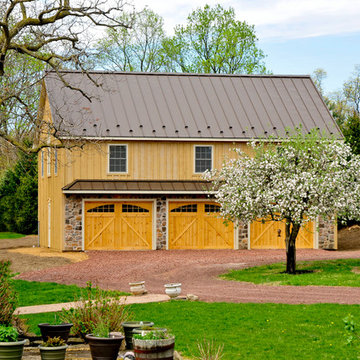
x=54 y=348
x=129 y=326
x=154 y=344
x=102 y=345
x=173 y=289
x=11 y=347
x=53 y=331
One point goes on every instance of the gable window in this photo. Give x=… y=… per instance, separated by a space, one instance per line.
x=203 y=158
x=48 y=162
x=55 y=161
x=42 y=163
x=118 y=158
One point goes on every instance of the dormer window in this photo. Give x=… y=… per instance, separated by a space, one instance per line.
x=117 y=158
x=203 y=158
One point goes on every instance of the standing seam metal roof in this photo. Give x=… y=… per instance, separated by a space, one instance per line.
x=185 y=106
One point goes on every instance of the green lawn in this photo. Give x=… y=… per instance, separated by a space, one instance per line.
x=39 y=293
x=10 y=235
x=327 y=273
x=251 y=331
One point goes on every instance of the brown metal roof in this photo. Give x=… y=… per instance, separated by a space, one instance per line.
x=134 y=186
x=186 y=106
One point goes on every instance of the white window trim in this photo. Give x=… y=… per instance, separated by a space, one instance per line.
x=212 y=157
x=127 y=160
x=48 y=162
x=56 y=162
x=42 y=163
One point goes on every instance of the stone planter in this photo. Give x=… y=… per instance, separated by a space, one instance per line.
x=162 y=349
x=62 y=331
x=104 y=348
x=53 y=353
x=138 y=288
x=12 y=350
x=129 y=326
x=173 y=290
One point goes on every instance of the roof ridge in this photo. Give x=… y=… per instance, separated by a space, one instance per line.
x=104 y=72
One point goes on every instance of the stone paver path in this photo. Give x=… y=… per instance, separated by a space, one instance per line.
x=198 y=271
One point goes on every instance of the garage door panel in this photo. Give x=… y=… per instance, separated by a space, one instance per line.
x=197 y=226
x=118 y=226
x=271 y=235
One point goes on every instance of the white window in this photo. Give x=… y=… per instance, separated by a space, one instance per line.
x=203 y=158
x=117 y=158
x=48 y=162
x=42 y=163
x=55 y=161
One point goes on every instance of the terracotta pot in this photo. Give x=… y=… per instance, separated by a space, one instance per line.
x=53 y=353
x=173 y=290
x=129 y=326
x=104 y=348
x=12 y=350
x=61 y=330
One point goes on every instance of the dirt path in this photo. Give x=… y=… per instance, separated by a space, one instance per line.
x=197 y=270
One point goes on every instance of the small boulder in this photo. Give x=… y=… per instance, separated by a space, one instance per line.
x=192 y=297
x=177 y=356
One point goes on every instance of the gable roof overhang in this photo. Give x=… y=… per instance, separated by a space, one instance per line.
x=136 y=187
x=175 y=107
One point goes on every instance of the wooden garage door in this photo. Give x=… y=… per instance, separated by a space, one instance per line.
x=195 y=225
x=271 y=235
x=118 y=225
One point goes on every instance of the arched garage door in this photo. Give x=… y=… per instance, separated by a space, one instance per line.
x=195 y=225
x=271 y=235
x=118 y=225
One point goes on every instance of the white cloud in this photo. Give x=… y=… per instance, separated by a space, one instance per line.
x=281 y=19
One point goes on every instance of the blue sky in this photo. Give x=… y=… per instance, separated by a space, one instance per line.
x=297 y=36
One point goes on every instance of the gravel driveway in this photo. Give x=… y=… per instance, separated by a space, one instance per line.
x=197 y=270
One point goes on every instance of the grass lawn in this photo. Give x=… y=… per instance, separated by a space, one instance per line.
x=327 y=273
x=251 y=331
x=10 y=235
x=39 y=293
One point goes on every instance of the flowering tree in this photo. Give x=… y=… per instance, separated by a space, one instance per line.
x=295 y=180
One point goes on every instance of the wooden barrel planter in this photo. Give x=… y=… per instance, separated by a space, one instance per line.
x=162 y=349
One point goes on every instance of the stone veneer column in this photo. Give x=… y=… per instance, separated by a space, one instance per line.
x=73 y=223
x=327 y=234
x=243 y=236
x=161 y=225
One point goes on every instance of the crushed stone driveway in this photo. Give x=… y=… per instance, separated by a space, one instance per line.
x=198 y=272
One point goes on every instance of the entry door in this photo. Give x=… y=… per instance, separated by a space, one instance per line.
x=118 y=225
x=196 y=225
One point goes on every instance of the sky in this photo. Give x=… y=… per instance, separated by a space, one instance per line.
x=298 y=36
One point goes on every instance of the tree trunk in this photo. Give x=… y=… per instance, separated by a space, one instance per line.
x=291 y=235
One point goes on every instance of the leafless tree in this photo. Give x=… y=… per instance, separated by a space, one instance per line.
x=37 y=35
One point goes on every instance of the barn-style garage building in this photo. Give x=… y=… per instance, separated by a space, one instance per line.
x=134 y=182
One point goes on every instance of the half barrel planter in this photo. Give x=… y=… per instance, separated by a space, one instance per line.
x=162 y=349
